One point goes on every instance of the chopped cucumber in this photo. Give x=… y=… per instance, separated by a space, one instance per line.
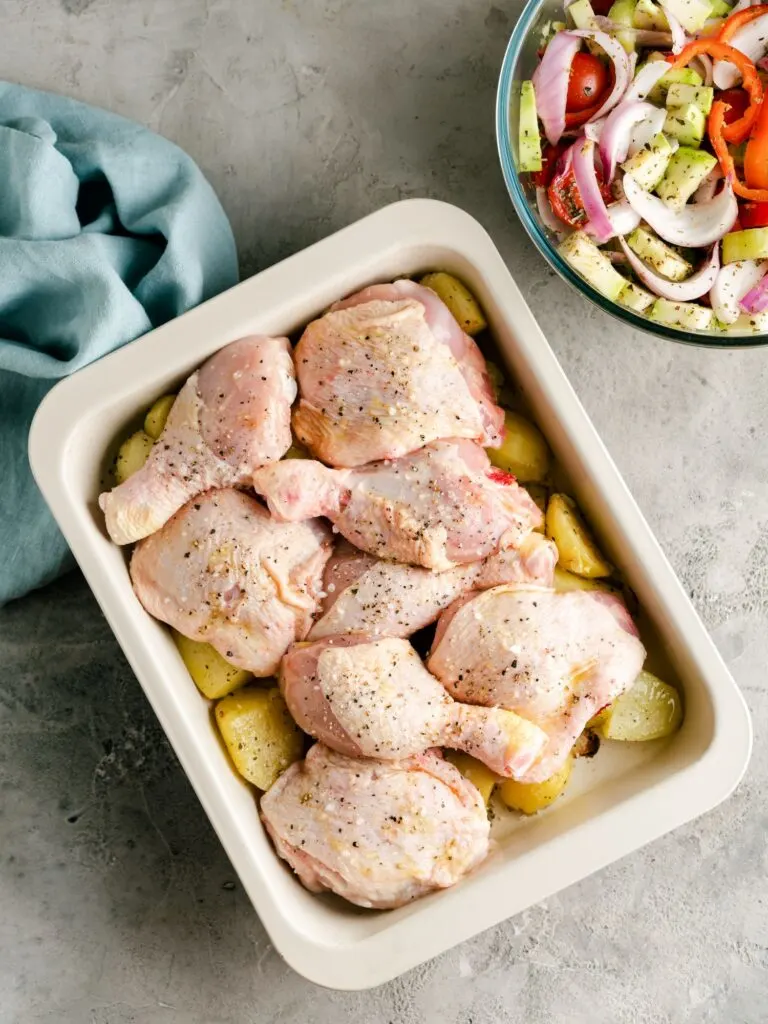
x=751 y=244
x=688 y=315
x=649 y=15
x=658 y=255
x=623 y=13
x=690 y=13
x=582 y=14
x=647 y=166
x=530 y=140
x=687 y=124
x=679 y=94
x=584 y=256
x=683 y=76
x=634 y=297
x=685 y=172
x=719 y=9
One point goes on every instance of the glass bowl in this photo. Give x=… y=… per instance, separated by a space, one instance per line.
x=520 y=61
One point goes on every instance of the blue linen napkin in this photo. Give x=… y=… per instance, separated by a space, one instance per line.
x=106 y=231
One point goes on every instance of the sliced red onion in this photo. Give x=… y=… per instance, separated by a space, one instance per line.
x=550 y=83
x=583 y=157
x=704 y=63
x=679 y=38
x=708 y=187
x=547 y=214
x=751 y=40
x=762 y=64
x=756 y=299
x=644 y=131
x=614 y=138
x=696 y=225
x=645 y=79
x=622 y=217
x=622 y=66
x=594 y=129
x=679 y=291
x=641 y=36
x=733 y=282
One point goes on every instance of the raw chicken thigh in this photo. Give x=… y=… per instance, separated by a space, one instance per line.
x=364 y=594
x=380 y=834
x=232 y=416
x=223 y=571
x=374 y=698
x=439 y=507
x=554 y=658
x=387 y=371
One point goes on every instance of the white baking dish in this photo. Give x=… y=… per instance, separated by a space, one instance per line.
x=624 y=798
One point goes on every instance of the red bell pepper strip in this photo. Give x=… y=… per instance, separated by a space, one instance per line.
x=738 y=130
x=756 y=154
x=716 y=128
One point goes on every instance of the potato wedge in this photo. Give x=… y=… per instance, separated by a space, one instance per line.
x=132 y=455
x=459 y=300
x=649 y=710
x=259 y=733
x=524 y=452
x=213 y=675
x=154 y=421
x=530 y=797
x=479 y=774
x=497 y=378
x=565 y=581
x=577 y=548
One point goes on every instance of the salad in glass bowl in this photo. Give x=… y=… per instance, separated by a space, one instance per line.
x=638 y=134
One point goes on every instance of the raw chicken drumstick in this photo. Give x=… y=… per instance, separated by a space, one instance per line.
x=374 y=698
x=232 y=416
x=364 y=594
x=439 y=507
x=385 y=372
x=221 y=570
x=380 y=834
x=554 y=658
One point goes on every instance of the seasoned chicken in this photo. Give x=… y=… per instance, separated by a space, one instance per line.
x=363 y=594
x=380 y=834
x=232 y=416
x=385 y=372
x=554 y=658
x=439 y=507
x=374 y=698
x=222 y=570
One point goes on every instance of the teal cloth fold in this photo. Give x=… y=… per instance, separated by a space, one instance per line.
x=106 y=231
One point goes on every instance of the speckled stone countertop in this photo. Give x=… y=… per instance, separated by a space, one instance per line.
x=118 y=903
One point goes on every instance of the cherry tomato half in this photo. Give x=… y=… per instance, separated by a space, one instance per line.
x=753 y=215
x=564 y=195
x=549 y=157
x=737 y=101
x=586 y=83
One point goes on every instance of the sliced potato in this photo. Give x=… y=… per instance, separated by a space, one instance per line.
x=597 y=720
x=540 y=495
x=479 y=774
x=565 y=581
x=213 y=675
x=154 y=421
x=132 y=455
x=649 y=710
x=530 y=797
x=497 y=378
x=259 y=733
x=459 y=300
x=577 y=549
x=524 y=452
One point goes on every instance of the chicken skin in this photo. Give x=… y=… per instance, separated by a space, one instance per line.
x=374 y=698
x=380 y=834
x=439 y=507
x=232 y=416
x=554 y=658
x=364 y=594
x=387 y=371
x=221 y=570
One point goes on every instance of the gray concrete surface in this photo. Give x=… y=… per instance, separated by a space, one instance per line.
x=118 y=904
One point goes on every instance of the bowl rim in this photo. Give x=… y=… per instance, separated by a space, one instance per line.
x=521 y=204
